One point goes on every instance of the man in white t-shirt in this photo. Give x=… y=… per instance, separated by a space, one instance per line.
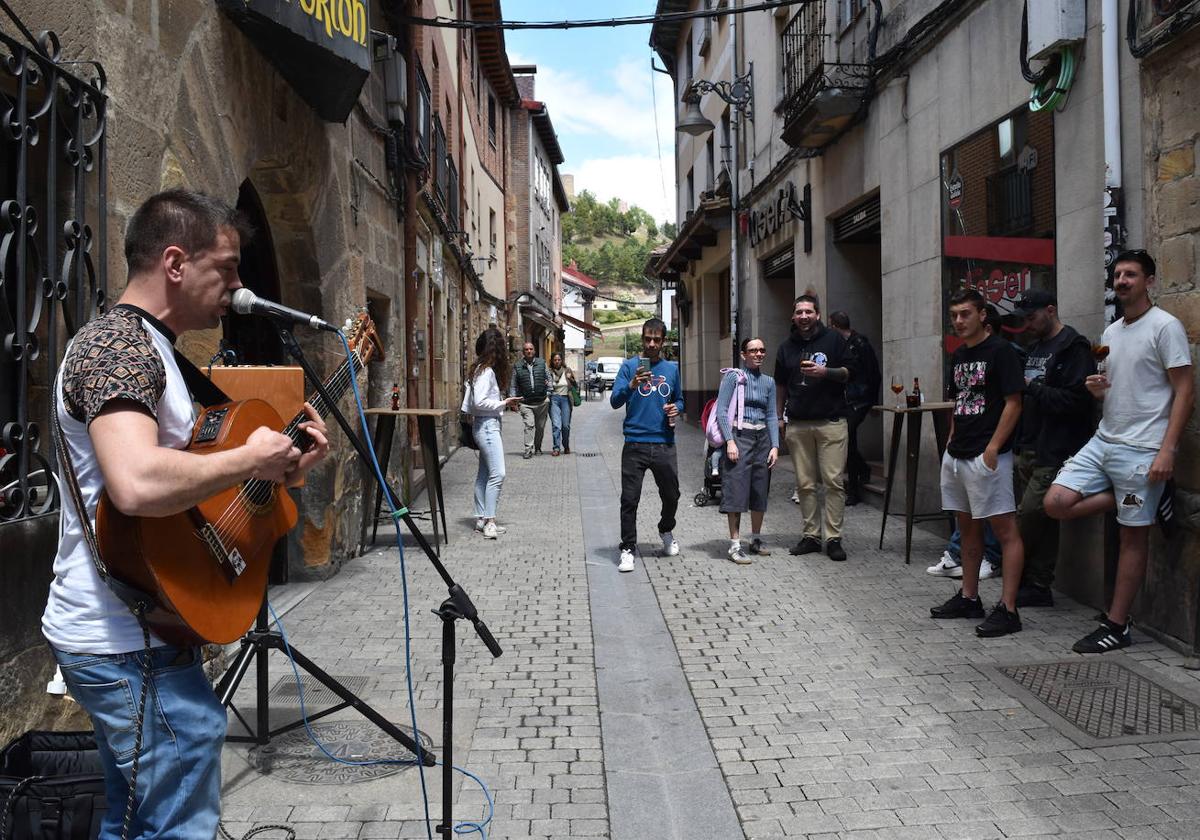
x=126 y=417
x=1147 y=393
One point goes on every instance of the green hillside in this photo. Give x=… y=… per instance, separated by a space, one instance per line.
x=612 y=246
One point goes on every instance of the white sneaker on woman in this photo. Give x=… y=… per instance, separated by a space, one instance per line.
x=492 y=530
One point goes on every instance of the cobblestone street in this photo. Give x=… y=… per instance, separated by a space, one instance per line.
x=696 y=698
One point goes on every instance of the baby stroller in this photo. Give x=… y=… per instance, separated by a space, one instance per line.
x=712 y=462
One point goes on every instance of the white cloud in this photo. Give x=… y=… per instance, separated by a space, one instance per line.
x=613 y=114
x=637 y=179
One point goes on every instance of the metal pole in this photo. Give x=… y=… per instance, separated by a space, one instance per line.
x=733 y=204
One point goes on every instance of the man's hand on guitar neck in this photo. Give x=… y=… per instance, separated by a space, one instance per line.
x=313 y=454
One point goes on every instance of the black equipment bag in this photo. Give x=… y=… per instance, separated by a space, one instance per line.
x=51 y=787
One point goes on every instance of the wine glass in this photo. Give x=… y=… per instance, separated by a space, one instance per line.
x=804 y=357
x=898 y=389
x=1100 y=354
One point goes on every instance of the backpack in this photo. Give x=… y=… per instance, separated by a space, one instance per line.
x=737 y=409
x=51 y=787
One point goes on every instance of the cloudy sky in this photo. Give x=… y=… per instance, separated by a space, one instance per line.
x=596 y=84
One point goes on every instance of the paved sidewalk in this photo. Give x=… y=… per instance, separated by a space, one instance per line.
x=825 y=701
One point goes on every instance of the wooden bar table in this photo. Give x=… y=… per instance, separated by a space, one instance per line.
x=941 y=414
x=385 y=430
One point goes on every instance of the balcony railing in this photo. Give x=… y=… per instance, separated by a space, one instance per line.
x=821 y=98
x=440 y=171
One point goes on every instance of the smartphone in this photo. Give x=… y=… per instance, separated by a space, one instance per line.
x=643 y=365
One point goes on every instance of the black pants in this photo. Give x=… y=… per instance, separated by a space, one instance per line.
x=660 y=459
x=857 y=470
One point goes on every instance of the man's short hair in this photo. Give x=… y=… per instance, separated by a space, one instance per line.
x=186 y=219
x=1141 y=258
x=655 y=325
x=807 y=299
x=840 y=320
x=968 y=295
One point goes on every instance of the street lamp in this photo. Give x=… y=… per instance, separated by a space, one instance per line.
x=739 y=94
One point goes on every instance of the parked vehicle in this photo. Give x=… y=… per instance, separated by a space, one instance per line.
x=606 y=369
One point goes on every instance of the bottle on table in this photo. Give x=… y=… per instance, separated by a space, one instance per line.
x=914 y=399
x=395 y=396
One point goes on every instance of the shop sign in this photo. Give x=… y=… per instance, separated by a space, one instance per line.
x=320 y=46
x=768 y=218
x=998 y=283
x=954 y=191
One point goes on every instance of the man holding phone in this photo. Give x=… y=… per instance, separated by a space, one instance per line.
x=648 y=387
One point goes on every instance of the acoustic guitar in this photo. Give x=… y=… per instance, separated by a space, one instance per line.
x=207 y=566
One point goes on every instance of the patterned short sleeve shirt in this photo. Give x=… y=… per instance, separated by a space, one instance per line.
x=112 y=358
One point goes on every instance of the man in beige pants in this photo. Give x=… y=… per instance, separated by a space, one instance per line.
x=811 y=372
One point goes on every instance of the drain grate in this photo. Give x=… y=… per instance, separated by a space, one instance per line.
x=586 y=454
x=316 y=695
x=1107 y=701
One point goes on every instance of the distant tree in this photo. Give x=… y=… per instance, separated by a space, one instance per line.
x=670 y=230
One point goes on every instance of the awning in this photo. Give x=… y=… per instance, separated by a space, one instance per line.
x=588 y=328
x=696 y=234
x=539 y=317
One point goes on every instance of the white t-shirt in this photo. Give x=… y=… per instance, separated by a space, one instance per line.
x=111 y=358
x=1137 y=407
x=483 y=398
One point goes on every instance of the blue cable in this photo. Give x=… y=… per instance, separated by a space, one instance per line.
x=397 y=511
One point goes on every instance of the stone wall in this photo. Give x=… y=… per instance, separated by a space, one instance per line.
x=1171 y=130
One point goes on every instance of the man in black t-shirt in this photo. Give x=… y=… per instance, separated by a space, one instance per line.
x=977 y=469
x=861 y=394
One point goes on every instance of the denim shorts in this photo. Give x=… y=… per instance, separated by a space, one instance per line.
x=970 y=487
x=1102 y=465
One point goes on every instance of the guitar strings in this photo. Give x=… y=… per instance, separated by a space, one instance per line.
x=236 y=517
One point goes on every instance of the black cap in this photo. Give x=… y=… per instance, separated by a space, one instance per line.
x=1036 y=299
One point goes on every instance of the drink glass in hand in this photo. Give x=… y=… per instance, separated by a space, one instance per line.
x=898 y=389
x=1100 y=354
x=670 y=416
x=804 y=357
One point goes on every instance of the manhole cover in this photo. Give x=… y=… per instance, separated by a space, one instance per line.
x=295 y=758
x=316 y=695
x=1107 y=701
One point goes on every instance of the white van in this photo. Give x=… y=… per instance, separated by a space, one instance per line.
x=606 y=369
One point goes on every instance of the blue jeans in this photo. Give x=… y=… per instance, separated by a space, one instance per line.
x=991 y=545
x=490 y=477
x=560 y=420
x=179 y=772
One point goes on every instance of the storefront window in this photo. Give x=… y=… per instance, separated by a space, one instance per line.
x=998 y=218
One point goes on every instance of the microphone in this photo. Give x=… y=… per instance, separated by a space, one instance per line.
x=245 y=302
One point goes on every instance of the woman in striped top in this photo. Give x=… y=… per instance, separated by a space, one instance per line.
x=751 y=447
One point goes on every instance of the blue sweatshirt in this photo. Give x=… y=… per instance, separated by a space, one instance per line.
x=645 y=420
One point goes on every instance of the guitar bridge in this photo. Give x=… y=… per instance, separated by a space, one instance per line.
x=229 y=560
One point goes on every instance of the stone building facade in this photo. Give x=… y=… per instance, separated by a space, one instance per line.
x=893 y=155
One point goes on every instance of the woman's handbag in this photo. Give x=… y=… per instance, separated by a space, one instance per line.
x=466 y=430
x=576 y=398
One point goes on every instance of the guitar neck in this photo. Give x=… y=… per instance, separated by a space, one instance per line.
x=335 y=386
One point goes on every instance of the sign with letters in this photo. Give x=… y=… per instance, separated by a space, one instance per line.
x=322 y=47
x=769 y=217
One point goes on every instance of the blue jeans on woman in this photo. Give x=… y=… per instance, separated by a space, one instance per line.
x=560 y=420
x=179 y=771
x=490 y=477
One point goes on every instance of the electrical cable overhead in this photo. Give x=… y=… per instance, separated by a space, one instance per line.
x=657 y=137
x=591 y=23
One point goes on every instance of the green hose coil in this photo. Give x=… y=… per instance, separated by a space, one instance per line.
x=1052 y=92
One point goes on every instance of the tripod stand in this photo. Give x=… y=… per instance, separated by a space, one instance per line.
x=458 y=605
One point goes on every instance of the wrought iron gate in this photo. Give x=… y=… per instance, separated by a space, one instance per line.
x=52 y=244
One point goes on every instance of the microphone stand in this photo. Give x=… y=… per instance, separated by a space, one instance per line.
x=458 y=604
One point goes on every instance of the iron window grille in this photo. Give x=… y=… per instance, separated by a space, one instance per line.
x=424 y=113
x=806 y=72
x=53 y=218
x=440 y=170
x=1009 y=202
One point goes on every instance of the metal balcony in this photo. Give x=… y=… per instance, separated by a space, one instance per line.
x=821 y=99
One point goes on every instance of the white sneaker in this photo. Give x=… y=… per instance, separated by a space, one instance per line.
x=796 y=496
x=479 y=523
x=987 y=569
x=946 y=567
x=492 y=530
x=626 y=564
x=670 y=548
x=500 y=529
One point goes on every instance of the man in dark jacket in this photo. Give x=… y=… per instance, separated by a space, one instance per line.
x=861 y=394
x=811 y=372
x=1056 y=421
x=531 y=382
